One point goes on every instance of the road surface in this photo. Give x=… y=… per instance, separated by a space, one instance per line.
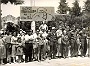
x=75 y=61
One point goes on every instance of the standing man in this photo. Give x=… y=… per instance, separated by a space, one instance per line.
x=8 y=46
x=72 y=46
x=45 y=44
x=43 y=27
x=59 y=35
x=53 y=41
x=83 y=43
x=65 y=44
x=88 y=41
x=28 y=46
x=35 y=45
x=75 y=48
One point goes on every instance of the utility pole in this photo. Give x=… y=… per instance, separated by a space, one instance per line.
x=32 y=2
x=33 y=22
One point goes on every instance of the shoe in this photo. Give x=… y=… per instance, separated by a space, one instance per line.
x=9 y=62
x=26 y=61
x=49 y=58
x=2 y=63
x=38 y=60
x=14 y=62
x=42 y=59
x=54 y=57
x=64 y=57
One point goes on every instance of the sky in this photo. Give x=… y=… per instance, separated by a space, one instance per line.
x=10 y=9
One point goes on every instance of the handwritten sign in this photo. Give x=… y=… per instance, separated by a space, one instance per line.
x=36 y=13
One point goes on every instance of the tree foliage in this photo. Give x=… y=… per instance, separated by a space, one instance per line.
x=16 y=2
x=11 y=27
x=75 y=10
x=63 y=7
x=87 y=6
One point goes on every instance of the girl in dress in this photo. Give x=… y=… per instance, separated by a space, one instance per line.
x=19 y=50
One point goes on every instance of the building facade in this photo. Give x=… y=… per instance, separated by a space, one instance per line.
x=8 y=18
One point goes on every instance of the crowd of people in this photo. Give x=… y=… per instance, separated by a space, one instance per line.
x=27 y=46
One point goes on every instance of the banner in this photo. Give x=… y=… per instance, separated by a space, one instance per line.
x=36 y=13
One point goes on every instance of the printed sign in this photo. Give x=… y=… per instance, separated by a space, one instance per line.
x=36 y=13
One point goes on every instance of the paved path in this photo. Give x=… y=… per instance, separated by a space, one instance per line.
x=75 y=61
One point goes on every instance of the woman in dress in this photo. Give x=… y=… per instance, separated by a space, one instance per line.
x=14 y=43
x=2 y=50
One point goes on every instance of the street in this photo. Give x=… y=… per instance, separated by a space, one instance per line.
x=75 y=61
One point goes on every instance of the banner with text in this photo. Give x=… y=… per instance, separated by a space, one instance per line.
x=36 y=13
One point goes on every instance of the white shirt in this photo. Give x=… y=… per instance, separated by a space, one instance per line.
x=44 y=26
x=14 y=40
x=44 y=34
x=22 y=37
x=27 y=37
x=59 y=32
x=34 y=36
x=31 y=37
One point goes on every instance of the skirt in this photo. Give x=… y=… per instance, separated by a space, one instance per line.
x=2 y=52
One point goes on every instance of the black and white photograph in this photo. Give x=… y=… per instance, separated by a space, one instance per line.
x=44 y=32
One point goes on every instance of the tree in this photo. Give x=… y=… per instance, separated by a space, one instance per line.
x=16 y=2
x=87 y=12
x=87 y=6
x=76 y=9
x=63 y=7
